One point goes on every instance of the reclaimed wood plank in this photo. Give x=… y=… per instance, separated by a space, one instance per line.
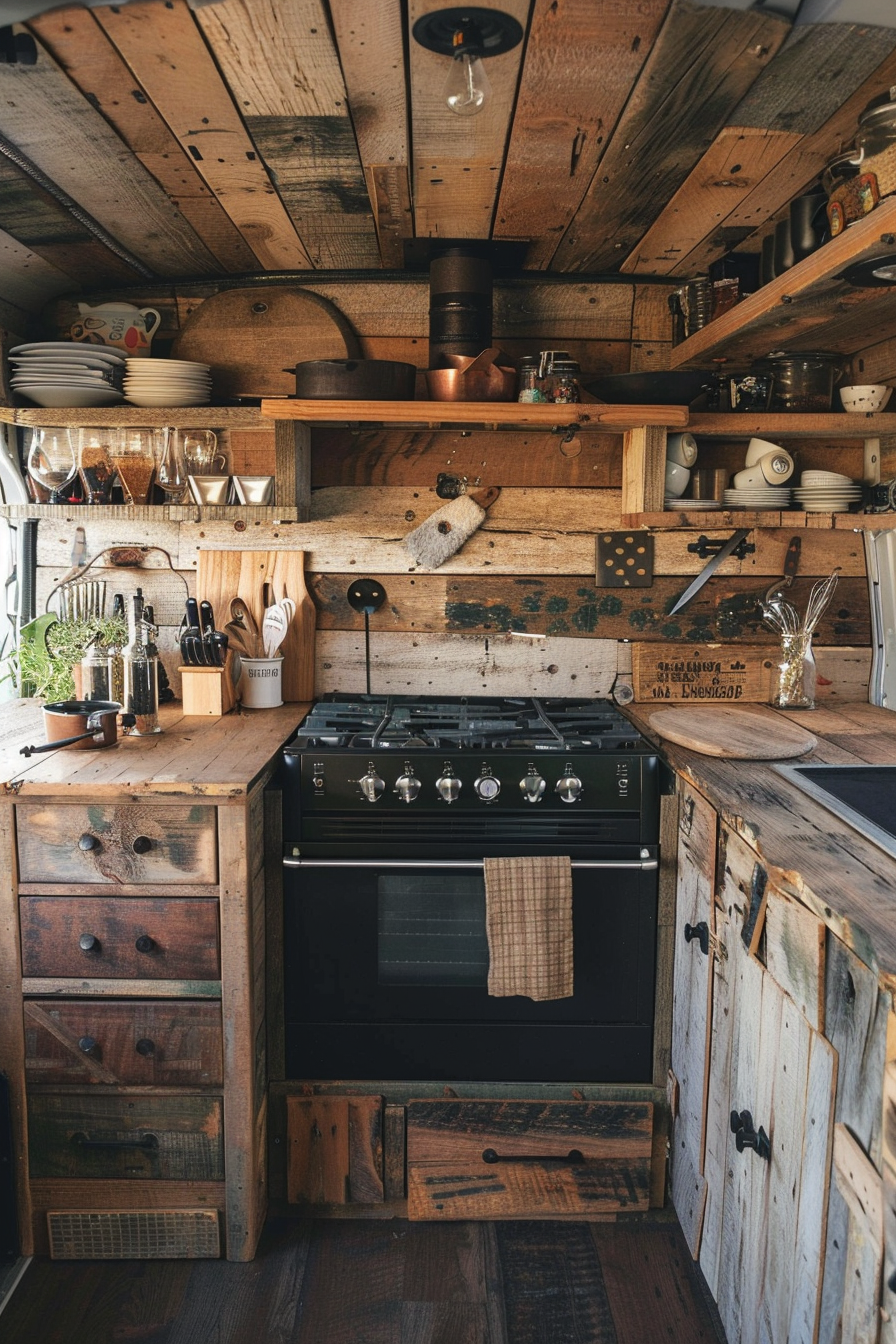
x=818 y=1129
x=860 y=1185
x=691 y=1018
x=282 y=69
x=47 y=117
x=369 y=54
x=318 y=1161
x=552 y=1285
x=457 y=160
x=718 y=1110
x=643 y=455
x=699 y=68
x=562 y=120
x=77 y=42
x=12 y=1043
x=164 y=49
x=28 y=279
x=644 y=1268
x=795 y=947
x=592 y=415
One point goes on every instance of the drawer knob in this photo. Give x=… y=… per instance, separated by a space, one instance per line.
x=142 y=844
x=745 y=1136
x=88 y=1044
x=145 y=944
x=88 y=841
x=145 y=1047
x=88 y=942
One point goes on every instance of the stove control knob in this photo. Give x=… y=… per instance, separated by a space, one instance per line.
x=569 y=787
x=532 y=786
x=448 y=786
x=487 y=788
x=371 y=785
x=407 y=787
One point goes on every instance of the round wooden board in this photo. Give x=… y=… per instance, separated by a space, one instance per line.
x=742 y=734
x=249 y=336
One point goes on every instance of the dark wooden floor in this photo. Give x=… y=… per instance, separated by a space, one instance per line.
x=319 y=1282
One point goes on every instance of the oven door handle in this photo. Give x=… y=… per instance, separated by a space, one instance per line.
x=639 y=865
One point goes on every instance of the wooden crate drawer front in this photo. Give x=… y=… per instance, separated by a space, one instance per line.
x=131 y=938
x=126 y=1137
x=527 y=1159
x=130 y=844
x=166 y=1043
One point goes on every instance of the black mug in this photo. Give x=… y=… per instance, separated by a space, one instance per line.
x=784 y=257
x=808 y=222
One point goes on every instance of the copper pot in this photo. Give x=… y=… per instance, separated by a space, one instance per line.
x=463 y=382
x=78 y=723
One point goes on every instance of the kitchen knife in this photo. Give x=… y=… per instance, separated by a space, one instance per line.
x=710 y=568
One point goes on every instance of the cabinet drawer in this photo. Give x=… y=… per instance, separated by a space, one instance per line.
x=129 y=844
x=527 y=1159
x=166 y=1043
x=130 y=938
x=126 y=1137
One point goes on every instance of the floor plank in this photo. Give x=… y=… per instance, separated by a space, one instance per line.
x=651 y=1284
x=553 y=1286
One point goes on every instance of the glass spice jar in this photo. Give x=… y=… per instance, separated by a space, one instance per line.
x=530 y=390
x=795 y=682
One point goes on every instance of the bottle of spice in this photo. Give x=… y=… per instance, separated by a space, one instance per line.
x=95 y=672
x=529 y=385
x=114 y=658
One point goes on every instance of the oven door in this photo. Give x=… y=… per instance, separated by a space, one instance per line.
x=386 y=973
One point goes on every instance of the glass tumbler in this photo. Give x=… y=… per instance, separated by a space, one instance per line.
x=795 y=679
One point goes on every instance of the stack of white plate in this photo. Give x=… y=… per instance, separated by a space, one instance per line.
x=826 y=492
x=167 y=382
x=758 y=497
x=67 y=373
x=695 y=505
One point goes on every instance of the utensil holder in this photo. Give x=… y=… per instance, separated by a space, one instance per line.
x=208 y=690
x=795 y=678
x=261 y=683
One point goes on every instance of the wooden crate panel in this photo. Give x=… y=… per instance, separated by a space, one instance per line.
x=126 y=1137
x=335 y=1150
x=527 y=1159
x=178 y=938
x=702 y=674
x=138 y=1041
x=127 y=844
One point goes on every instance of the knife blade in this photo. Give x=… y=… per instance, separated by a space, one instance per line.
x=710 y=568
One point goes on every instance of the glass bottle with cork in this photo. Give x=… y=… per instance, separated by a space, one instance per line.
x=141 y=671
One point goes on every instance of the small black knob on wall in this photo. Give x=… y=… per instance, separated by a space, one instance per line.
x=145 y=1047
x=88 y=841
x=88 y=1044
x=745 y=1136
x=142 y=844
x=88 y=942
x=145 y=944
x=701 y=933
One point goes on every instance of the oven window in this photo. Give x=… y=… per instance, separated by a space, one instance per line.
x=431 y=930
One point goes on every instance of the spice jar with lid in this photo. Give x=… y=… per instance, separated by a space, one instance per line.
x=559 y=376
x=530 y=389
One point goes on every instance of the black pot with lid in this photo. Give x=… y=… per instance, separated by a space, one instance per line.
x=803 y=379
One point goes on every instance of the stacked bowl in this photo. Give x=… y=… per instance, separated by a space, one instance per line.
x=167 y=382
x=827 y=492
x=63 y=373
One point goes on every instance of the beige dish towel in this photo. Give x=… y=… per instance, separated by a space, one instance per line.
x=528 y=915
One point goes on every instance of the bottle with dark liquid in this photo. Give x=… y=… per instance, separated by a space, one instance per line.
x=141 y=671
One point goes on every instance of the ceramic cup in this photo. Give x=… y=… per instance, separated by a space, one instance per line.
x=261 y=683
x=773 y=469
x=681 y=449
x=759 y=448
x=677 y=478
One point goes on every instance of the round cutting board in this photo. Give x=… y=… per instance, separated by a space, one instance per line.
x=742 y=734
x=249 y=336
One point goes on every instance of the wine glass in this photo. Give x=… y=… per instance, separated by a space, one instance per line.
x=171 y=474
x=51 y=460
x=132 y=459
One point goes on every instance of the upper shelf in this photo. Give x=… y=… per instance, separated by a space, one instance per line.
x=786 y=425
x=809 y=307
x=521 y=415
x=189 y=417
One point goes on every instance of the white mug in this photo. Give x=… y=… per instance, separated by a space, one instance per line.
x=773 y=469
x=677 y=478
x=681 y=449
x=757 y=448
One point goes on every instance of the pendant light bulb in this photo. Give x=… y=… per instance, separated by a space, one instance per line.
x=467 y=88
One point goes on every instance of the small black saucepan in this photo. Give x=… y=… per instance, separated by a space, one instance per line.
x=87 y=723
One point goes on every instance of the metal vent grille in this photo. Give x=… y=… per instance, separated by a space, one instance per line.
x=526 y=830
x=172 y=1234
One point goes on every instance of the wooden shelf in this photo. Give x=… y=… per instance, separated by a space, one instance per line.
x=835 y=424
x=809 y=307
x=587 y=415
x=726 y=519
x=189 y=417
x=172 y=513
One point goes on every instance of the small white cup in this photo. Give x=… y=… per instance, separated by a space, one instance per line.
x=261 y=683
x=774 y=469
x=681 y=449
x=757 y=448
x=677 y=478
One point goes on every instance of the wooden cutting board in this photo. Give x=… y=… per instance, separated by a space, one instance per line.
x=225 y=574
x=742 y=734
x=249 y=336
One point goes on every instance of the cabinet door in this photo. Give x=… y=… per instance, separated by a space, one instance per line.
x=762 y=1251
x=692 y=989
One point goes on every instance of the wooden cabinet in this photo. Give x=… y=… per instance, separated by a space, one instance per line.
x=131 y=938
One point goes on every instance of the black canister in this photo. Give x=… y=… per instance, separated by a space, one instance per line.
x=460 y=304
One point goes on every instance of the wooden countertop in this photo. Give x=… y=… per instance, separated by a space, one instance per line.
x=848 y=882
x=193 y=756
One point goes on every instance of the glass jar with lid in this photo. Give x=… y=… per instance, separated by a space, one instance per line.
x=558 y=374
x=876 y=142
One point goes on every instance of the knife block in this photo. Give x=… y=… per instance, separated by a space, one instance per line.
x=208 y=690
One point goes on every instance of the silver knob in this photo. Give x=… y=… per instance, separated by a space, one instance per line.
x=407 y=787
x=371 y=785
x=448 y=786
x=532 y=786
x=569 y=787
x=487 y=788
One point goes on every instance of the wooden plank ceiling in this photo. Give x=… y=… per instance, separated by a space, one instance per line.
x=154 y=141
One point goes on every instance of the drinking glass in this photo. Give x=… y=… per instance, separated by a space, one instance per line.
x=51 y=460
x=199 y=448
x=171 y=474
x=132 y=459
x=96 y=448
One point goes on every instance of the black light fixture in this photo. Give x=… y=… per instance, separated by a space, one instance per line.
x=467 y=35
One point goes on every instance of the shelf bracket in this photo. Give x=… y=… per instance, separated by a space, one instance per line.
x=705 y=548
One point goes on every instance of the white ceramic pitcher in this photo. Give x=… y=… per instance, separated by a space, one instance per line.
x=118 y=324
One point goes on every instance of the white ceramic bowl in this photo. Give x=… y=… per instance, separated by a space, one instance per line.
x=681 y=449
x=865 y=397
x=677 y=478
x=758 y=448
x=816 y=478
